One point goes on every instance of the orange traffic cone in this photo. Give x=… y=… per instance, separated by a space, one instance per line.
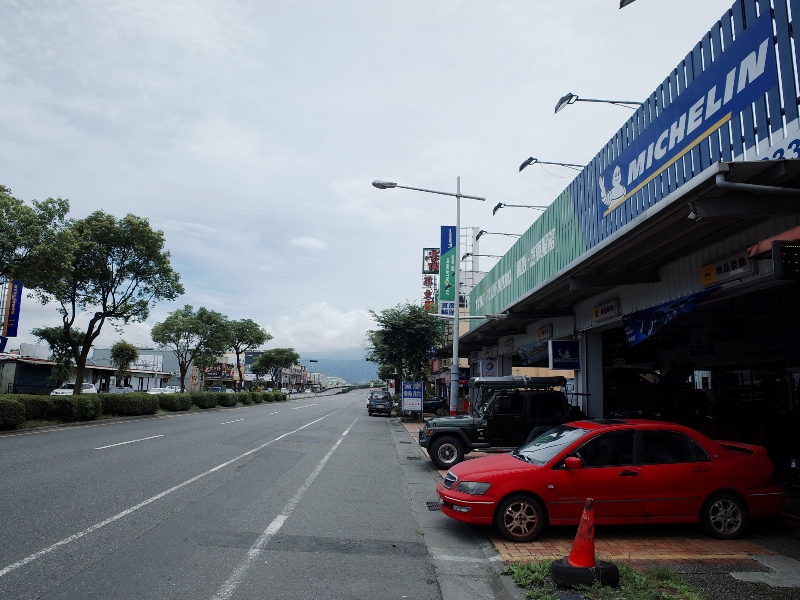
x=582 y=554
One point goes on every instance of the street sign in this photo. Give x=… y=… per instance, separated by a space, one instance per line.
x=411 y=398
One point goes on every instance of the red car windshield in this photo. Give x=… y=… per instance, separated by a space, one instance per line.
x=547 y=445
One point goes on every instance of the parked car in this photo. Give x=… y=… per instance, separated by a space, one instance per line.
x=637 y=471
x=506 y=412
x=67 y=389
x=293 y=391
x=284 y=391
x=126 y=389
x=379 y=403
x=435 y=405
x=156 y=391
x=217 y=388
x=175 y=388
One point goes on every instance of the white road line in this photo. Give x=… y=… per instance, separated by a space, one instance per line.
x=236 y=421
x=152 y=437
x=20 y=563
x=304 y=406
x=227 y=588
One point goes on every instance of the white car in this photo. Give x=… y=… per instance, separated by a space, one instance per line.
x=67 y=388
x=160 y=391
x=174 y=388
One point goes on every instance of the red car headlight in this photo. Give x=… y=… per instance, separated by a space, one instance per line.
x=474 y=488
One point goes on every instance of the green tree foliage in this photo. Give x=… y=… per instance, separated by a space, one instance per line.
x=60 y=352
x=192 y=336
x=118 y=271
x=245 y=335
x=404 y=340
x=123 y=355
x=34 y=242
x=273 y=361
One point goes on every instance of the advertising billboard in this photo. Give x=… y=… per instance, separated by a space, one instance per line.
x=11 y=321
x=447 y=271
x=430 y=261
x=411 y=397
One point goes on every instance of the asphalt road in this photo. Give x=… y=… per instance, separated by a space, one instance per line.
x=302 y=499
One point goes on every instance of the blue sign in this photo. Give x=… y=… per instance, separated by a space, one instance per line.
x=564 y=354
x=744 y=72
x=641 y=325
x=411 y=397
x=12 y=309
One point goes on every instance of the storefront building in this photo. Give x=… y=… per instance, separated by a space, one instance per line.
x=675 y=253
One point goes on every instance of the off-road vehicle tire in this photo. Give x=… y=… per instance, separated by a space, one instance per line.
x=446 y=451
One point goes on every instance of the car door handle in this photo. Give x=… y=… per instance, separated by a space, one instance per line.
x=628 y=473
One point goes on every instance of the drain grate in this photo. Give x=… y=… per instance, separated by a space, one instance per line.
x=432 y=506
x=413 y=458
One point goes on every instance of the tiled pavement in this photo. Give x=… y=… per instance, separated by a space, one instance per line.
x=684 y=544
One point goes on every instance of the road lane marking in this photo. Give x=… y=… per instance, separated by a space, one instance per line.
x=152 y=437
x=36 y=555
x=227 y=588
x=304 y=406
x=236 y=421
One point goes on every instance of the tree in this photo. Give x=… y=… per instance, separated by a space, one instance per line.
x=123 y=355
x=34 y=242
x=245 y=335
x=193 y=337
x=273 y=361
x=118 y=271
x=60 y=352
x=405 y=340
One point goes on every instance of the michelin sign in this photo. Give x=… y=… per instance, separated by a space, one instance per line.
x=744 y=72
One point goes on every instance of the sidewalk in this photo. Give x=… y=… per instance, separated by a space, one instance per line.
x=677 y=544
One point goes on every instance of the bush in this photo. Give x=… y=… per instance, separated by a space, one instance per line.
x=36 y=407
x=245 y=398
x=226 y=399
x=83 y=407
x=204 y=399
x=12 y=413
x=174 y=402
x=130 y=404
x=256 y=397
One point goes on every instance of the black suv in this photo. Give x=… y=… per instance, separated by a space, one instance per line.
x=506 y=412
x=379 y=402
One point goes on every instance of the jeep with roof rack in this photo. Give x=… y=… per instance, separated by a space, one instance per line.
x=505 y=413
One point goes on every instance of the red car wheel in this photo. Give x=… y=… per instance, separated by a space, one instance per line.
x=519 y=518
x=724 y=516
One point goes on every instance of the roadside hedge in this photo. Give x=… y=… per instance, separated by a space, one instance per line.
x=83 y=407
x=175 y=402
x=12 y=413
x=226 y=399
x=36 y=407
x=256 y=397
x=245 y=398
x=130 y=404
x=204 y=399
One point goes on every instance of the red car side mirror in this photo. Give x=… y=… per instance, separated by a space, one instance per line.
x=573 y=462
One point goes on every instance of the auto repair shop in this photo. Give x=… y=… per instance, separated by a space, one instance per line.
x=677 y=247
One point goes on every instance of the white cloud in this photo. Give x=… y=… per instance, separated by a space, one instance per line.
x=321 y=328
x=309 y=243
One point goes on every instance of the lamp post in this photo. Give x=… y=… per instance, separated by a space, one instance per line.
x=454 y=373
x=503 y=205
x=532 y=161
x=468 y=254
x=571 y=98
x=484 y=232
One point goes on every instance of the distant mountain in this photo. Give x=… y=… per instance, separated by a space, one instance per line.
x=352 y=371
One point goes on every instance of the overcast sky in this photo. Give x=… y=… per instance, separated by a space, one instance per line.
x=250 y=131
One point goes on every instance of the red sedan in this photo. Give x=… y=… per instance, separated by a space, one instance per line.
x=636 y=471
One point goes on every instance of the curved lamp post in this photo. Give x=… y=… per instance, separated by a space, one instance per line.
x=532 y=161
x=484 y=232
x=454 y=373
x=503 y=205
x=571 y=98
x=486 y=255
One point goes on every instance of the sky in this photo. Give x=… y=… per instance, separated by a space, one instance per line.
x=249 y=132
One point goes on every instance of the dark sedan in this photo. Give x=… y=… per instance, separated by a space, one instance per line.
x=379 y=402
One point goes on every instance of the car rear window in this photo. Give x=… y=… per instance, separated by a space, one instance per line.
x=380 y=396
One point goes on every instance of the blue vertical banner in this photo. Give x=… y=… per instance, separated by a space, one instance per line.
x=411 y=398
x=448 y=263
x=11 y=322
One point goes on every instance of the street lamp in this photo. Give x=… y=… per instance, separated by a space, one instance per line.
x=502 y=205
x=454 y=373
x=572 y=99
x=532 y=161
x=484 y=232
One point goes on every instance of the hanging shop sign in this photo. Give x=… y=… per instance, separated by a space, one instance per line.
x=642 y=324
x=508 y=346
x=534 y=352
x=733 y=267
x=487 y=368
x=411 y=396
x=744 y=72
x=11 y=322
x=448 y=262
x=544 y=333
x=564 y=354
x=607 y=310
